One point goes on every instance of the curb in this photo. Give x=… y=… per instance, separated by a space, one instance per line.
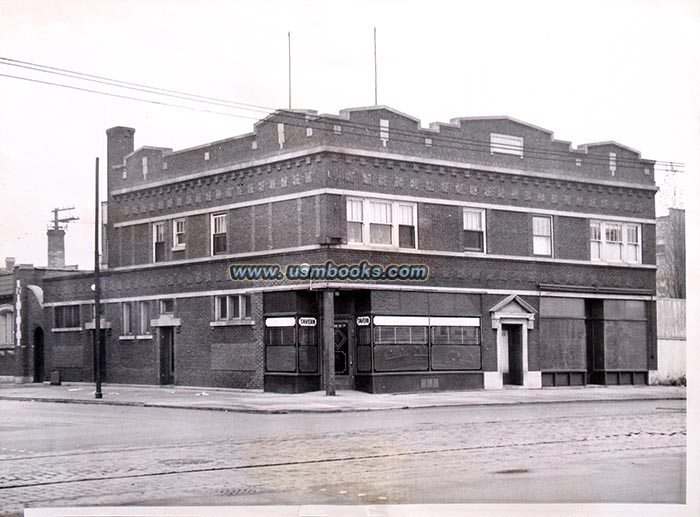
x=228 y=409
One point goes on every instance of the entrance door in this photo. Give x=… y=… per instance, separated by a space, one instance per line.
x=167 y=355
x=343 y=359
x=103 y=359
x=512 y=356
x=38 y=355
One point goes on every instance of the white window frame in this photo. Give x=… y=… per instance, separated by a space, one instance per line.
x=394 y=222
x=213 y=227
x=506 y=144
x=65 y=308
x=384 y=131
x=309 y=131
x=127 y=329
x=144 y=321
x=179 y=244
x=243 y=313
x=605 y=245
x=156 y=226
x=550 y=237
x=144 y=166
x=482 y=217
x=7 y=336
x=612 y=158
x=161 y=306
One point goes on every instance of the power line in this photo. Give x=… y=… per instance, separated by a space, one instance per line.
x=267 y=110
x=478 y=145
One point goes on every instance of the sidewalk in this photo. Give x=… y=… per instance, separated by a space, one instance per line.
x=255 y=401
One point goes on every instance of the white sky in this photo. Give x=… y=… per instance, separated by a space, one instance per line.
x=589 y=71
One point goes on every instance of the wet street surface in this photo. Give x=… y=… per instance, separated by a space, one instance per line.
x=85 y=455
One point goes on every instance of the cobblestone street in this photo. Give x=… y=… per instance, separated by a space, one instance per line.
x=73 y=455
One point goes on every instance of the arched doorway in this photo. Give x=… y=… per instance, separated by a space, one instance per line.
x=38 y=355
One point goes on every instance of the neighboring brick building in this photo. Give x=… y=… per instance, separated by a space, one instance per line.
x=22 y=324
x=541 y=259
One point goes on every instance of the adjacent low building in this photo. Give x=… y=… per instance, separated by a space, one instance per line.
x=539 y=259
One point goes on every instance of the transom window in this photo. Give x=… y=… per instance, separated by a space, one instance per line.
x=380 y=222
x=615 y=242
x=542 y=235
x=218 y=234
x=233 y=307
x=474 y=229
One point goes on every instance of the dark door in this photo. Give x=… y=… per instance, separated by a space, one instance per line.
x=515 y=355
x=103 y=359
x=167 y=356
x=38 y=355
x=342 y=360
x=344 y=355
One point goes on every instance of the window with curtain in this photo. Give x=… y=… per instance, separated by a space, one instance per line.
x=542 y=235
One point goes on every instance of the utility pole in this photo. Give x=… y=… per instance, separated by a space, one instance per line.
x=97 y=338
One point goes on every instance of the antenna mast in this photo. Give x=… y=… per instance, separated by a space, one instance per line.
x=375 y=66
x=57 y=221
x=289 y=51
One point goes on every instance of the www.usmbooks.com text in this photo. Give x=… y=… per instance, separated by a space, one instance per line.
x=329 y=271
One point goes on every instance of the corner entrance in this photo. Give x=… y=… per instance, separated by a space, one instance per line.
x=166 y=347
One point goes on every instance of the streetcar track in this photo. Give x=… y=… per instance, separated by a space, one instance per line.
x=327 y=460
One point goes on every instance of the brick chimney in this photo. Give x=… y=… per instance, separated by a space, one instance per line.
x=9 y=263
x=120 y=142
x=57 y=247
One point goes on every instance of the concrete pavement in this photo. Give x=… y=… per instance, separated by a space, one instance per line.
x=256 y=401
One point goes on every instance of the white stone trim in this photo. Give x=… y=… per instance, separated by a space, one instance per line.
x=342 y=285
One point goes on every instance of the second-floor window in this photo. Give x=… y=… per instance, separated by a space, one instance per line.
x=473 y=230
x=218 y=234
x=126 y=319
x=144 y=318
x=158 y=242
x=179 y=234
x=615 y=242
x=542 y=235
x=380 y=222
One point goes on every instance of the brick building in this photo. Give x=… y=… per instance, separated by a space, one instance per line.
x=541 y=259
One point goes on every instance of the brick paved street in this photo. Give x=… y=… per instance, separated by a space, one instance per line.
x=64 y=454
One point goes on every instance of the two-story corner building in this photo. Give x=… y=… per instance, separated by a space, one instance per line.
x=540 y=259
